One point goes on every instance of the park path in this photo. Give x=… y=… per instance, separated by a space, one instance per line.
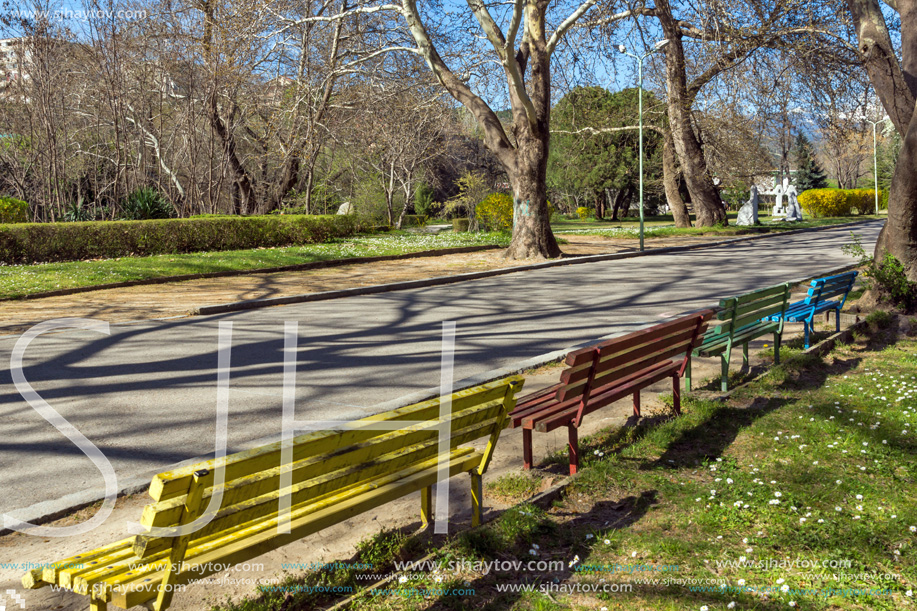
x=145 y=393
x=177 y=299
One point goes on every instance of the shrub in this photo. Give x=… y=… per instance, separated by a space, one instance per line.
x=496 y=212
x=583 y=212
x=862 y=201
x=462 y=224
x=13 y=210
x=423 y=200
x=46 y=242
x=889 y=276
x=825 y=202
x=145 y=204
x=414 y=220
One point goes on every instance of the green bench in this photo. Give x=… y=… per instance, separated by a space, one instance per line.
x=335 y=476
x=742 y=322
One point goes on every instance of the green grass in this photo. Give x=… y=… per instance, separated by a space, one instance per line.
x=812 y=463
x=514 y=487
x=21 y=280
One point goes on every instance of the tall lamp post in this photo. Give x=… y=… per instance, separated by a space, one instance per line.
x=622 y=49
x=875 y=161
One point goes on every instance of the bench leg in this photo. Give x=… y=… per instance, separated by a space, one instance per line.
x=676 y=395
x=724 y=371
x=573 y=448
x=526 y=448
x=777 y=338
x=426 y=506
x=477 y=499
x=837 y=321
x=97 y=605
x=688 y=375
x=744 y=357
x=805 y=326
x=637 y=403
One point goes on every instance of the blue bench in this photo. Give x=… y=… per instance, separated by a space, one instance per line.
x=820 y=300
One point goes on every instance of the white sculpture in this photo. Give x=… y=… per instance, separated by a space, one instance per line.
x=748 y=215
x=346 y=208
x=793 y=211
x=779 y=190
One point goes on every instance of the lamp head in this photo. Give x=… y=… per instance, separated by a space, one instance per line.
x=661 y=44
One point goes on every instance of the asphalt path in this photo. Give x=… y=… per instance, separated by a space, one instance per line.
x=146 y=393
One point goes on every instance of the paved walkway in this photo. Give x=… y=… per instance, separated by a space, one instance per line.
x=145 y=394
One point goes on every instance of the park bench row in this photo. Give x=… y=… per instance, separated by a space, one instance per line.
x=260 y=503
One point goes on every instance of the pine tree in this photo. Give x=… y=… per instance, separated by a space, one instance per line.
x=809 y=175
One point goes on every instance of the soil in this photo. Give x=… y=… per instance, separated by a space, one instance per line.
x=179 y=298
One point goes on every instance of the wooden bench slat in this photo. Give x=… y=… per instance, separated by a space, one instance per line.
x=261 y=538
x=175 y=483
x=760 y=294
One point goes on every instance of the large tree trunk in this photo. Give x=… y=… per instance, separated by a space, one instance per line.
x=896 y=86
x=670 y=182
x=532 y=235
x=704 y=196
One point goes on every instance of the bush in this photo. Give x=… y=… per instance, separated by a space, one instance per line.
x=414 y=220
x=583 y=212
x=423 y=200
x=495 y=213
x=459 y=225
x=889 y=276
x=13 y=210
x=46 y=242
x=862 y=201
x=146 y=204
x=825 y=202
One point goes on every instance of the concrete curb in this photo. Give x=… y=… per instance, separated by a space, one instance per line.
x=239 y=306
x=261 y=270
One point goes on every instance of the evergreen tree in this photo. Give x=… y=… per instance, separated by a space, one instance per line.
x=809 y=175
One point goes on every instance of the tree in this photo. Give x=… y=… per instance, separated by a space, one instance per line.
x=594 y=150
x=523 y=49
x=809 y=175
x=895 y=82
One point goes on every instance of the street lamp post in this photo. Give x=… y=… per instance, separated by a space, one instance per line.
x=622 y=49
x=875 y=162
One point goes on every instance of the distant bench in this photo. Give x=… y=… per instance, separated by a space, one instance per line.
x=602 y=374
x=744 y=318
x=819 y=299
x=335 y=475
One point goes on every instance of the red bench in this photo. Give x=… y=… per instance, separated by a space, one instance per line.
x=602 y=374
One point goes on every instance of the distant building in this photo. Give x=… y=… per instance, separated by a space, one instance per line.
x=14 y=58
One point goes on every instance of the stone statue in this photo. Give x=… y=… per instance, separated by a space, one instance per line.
x=346 y=208
x=793 y=211
x=779 y=191
x=748 y=215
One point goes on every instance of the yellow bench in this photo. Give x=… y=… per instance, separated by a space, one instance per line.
x=335 y=476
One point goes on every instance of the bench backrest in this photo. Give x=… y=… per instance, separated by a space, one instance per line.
x=748 y=309
x=594 y=368
x=325 y=464
x=823 y=289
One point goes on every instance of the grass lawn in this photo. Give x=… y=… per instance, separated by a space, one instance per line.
x=655 y=227
x=797 y=492
x=20 y=280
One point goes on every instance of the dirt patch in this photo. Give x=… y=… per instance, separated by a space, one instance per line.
x=179 y=298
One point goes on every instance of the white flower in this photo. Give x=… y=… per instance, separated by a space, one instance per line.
x=731 y=605
x=781 y=580
x=745 y=540
x=778 y=494
x=784 y=588
x=607 y=542
x=792 y=603
x=633 y=554
x=913 y=529
x=703 y=608
x=402 y=579
x=837 y=509
x=909 y=593
x=574 y=561
x=859 y=497
x=535 y=546
x=741 y=558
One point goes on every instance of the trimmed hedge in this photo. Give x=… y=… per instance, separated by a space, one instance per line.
x=840 y=202
x=54 y=242
x=13 y=210
x=461 y=225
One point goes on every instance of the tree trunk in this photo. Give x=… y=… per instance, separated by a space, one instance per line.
x=600 y=206
x=532 y=235
x=704 y=196
x=896 y=86
x=620 y=195
x=670 y=182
